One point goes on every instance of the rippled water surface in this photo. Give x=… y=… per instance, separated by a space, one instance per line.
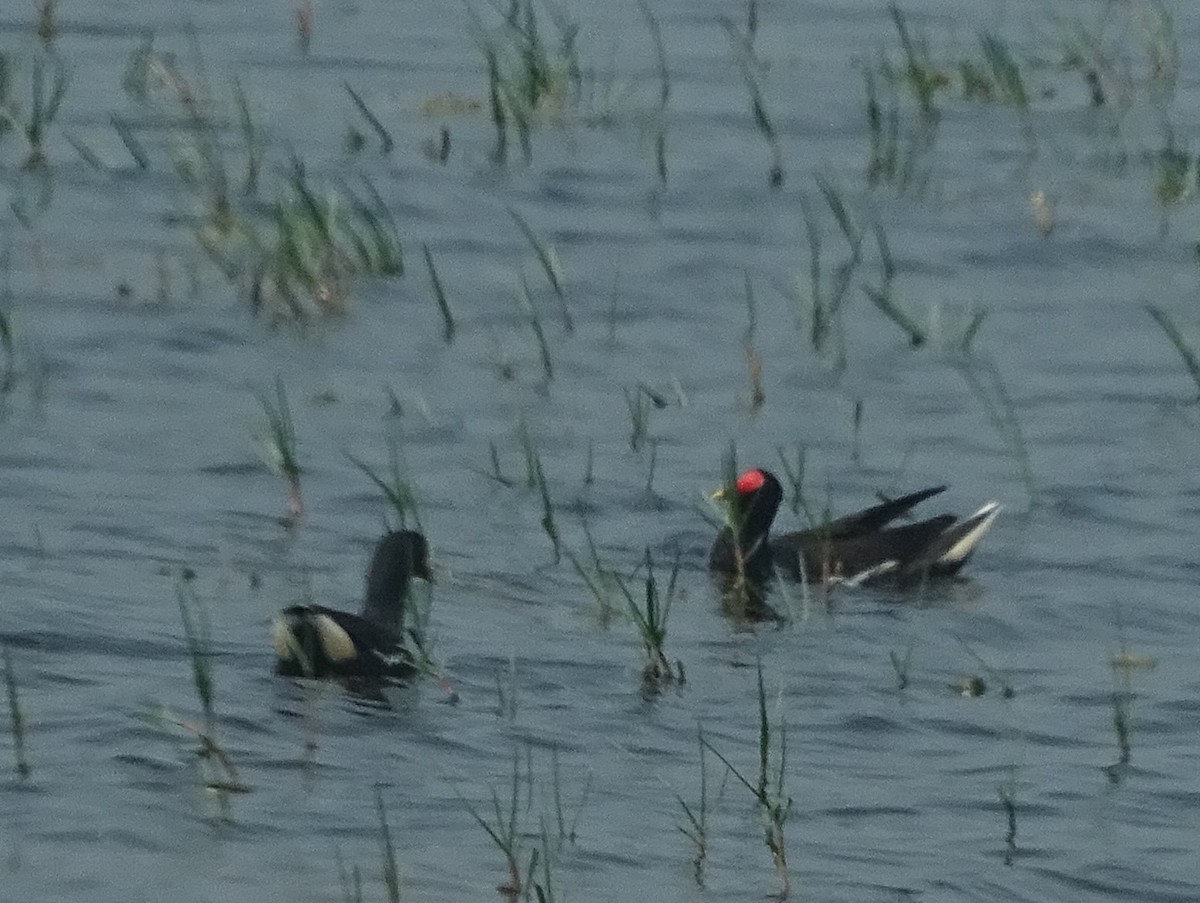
x=127 y=455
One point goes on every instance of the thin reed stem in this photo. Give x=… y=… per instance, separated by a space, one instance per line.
x=16 y=715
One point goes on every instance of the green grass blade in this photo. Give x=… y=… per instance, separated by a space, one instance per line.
x=1186 y=352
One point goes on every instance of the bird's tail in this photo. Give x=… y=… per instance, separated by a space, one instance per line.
x=955 y=546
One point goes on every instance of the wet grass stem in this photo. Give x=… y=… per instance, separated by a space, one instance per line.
x=275 y=438
x=16 y=715
x=439 y=296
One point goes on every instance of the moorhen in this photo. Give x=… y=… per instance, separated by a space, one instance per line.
x=314 y=641
x=857 y=548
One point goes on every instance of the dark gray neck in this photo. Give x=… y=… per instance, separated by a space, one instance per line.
x=385 y=604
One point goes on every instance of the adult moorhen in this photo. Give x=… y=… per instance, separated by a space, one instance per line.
x=857 y=548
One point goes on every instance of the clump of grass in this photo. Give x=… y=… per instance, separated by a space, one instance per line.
x=917 y=71
x=1005 y=71
x=506 y=830
x=1101 y=53
x=769 y=790
x=315 y=242
x=895 y=153
x=16 y=715
x=533 y=70
x=994 y=76
x=294 y=257
x=530 y=874
x=650 y=618
x=276 y=440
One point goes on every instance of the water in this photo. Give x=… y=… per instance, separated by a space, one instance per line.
x=127 y=454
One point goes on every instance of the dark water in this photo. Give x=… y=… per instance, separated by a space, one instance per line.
x=127 y=453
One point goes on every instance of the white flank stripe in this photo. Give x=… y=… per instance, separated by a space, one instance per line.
x=871 y=573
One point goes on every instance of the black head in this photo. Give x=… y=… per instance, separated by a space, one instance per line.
x=399 y=556
x=753 y=500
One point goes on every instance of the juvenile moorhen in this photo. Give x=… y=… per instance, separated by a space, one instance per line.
x=857 y=548
x=314 y=641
